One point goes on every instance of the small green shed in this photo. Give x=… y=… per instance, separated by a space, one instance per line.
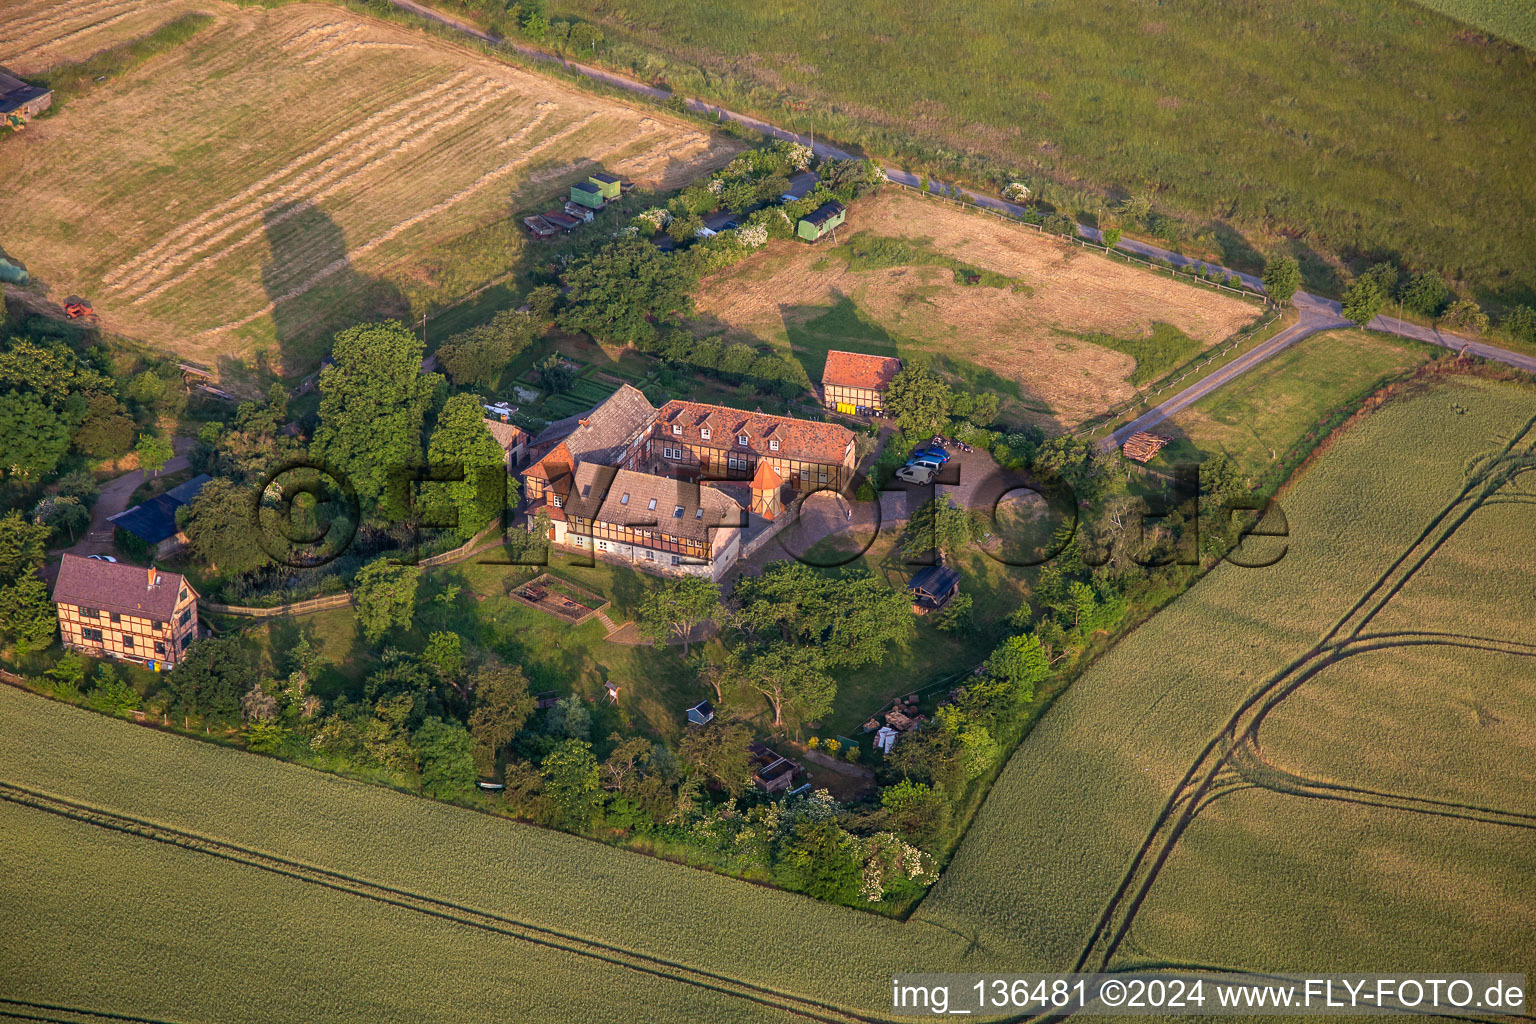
x=609 y=183
x=821 y=221
x=588 y=194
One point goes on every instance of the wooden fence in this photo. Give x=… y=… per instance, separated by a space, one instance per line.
x=314 y=604
x=1200 y=362
x=319 y=604
x=1119 y=254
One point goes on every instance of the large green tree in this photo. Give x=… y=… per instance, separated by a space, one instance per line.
x=27 y=617
x=1363 y=299
x=211 y=679
x=36 y=436
x=572 y=781
x=676 y=608
x=849 y=620
x=373 y=405
x=718 y=753
x=792 y=679
x=22 y=544
x=502 y=706
x=476 y=357
x=940 y=525
x=445 y=751
x=221 y=529
x=385 y=593
x=461 y=442
x=918 y=399
x=1282 y=278
x=619 y=292
x=154 y=452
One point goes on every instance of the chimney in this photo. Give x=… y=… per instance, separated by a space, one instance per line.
x=151 y=575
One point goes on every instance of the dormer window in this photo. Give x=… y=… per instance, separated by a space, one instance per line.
x=743 y=440
x=677 y=428
x=700 y=513
x=677 y=513
x=651 y=507
x=774 y=444
x=704 y=433
x=625 y=499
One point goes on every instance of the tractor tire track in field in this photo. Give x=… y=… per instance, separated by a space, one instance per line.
x=1346 y=636
x=488 y=178
x=22 y=1009
x=443 y=910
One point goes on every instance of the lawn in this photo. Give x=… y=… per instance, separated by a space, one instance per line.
x=1370 y=127
x=297 y=168
x=1062 y=333
x=1264 y=419
x=1354 y=884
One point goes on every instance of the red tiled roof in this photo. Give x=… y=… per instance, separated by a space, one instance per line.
x=853 y=370
x=807 y=440
x=117 y=587
x=767 y=478
x=508 y=435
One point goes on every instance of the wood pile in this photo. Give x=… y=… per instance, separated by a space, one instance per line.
x=1142 y=446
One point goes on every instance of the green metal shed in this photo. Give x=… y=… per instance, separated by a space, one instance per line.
x=821 y=221
x=587 y=194
x=609 y=183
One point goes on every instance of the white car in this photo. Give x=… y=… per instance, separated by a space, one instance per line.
x=102 y=558
x=918 y=474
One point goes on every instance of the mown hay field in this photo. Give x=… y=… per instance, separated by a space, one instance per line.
x=1340 y=128
x=1029 y=340
x=291 y=170
x=42 y=33
x=1261 y=862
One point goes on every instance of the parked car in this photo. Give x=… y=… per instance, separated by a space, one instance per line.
x=789 y=197
x=729 y=225
x=932 y=464
x=102 y=558
x=938 y=455
x=917 y=474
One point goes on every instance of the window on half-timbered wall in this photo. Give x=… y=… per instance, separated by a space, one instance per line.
x=87 y=633
x=90 y=613
x=159 y=647
x=128 y=640
x=185 y=617
x=116 y=617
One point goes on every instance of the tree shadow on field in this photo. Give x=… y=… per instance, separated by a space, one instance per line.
x=814 y=330
x=314 y=288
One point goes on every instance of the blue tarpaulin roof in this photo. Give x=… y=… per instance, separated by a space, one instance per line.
x=155 y=520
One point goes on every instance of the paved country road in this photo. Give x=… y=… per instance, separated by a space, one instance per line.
x=1317 y=313
x=1310 y=323
x=114 y=496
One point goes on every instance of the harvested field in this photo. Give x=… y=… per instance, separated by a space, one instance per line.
x=42 y=33
x=1029 y=339
x=288 y=168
